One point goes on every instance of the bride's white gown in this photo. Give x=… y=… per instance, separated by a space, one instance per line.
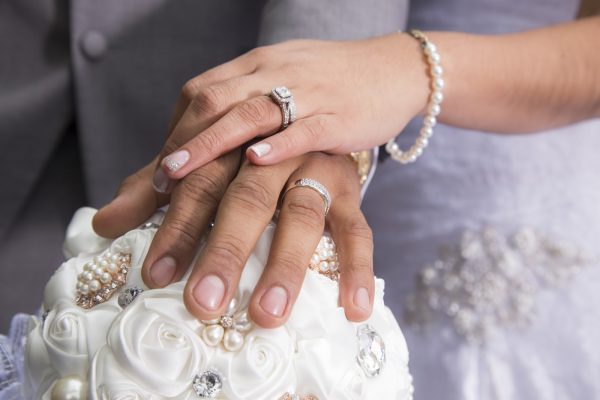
x=489 y=244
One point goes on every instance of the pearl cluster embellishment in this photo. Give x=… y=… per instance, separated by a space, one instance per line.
x=325 y=259
x=229 y=329
x=433 y=106
x=101 y=277
x=490 y=281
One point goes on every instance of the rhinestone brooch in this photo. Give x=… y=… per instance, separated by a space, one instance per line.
x=208 y=385
x=371 y=350
x=101 y=277
x=128 y=296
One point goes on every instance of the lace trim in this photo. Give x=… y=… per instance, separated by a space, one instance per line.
x=490 y=281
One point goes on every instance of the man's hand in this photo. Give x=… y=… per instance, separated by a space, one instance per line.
x=247 y=205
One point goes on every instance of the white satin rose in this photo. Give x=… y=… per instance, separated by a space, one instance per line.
x=262 y=369
x=153 y=345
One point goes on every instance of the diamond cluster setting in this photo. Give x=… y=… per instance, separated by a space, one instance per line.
x=208 y=384
x=101 y=277
x=371 y=350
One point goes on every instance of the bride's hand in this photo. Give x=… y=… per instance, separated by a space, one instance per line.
x=346 y=96
x=251 y=197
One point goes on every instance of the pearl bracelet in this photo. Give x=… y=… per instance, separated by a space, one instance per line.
x=433 y=106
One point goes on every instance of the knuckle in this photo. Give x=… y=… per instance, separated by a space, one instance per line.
x=208 y=141
x=315 y=127
x=357 y=228
x=260 y=53
x=292 y=265
x=190 y=89
x=360 y=265
x=305 y=208
x=252 y=193
x=256 y=113
x=182 y=232
x=203 y=188
x=209 y=100
x=228 y=252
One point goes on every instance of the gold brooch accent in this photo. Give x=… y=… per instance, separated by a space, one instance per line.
x=101 y=277
x=363 y=164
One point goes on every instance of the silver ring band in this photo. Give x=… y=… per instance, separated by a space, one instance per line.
x=283 y=97
x=316 y=186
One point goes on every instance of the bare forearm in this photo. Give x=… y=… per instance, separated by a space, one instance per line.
x=522 y=82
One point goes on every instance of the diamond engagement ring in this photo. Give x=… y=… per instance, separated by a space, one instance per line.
x=284 y=99
x=314 y=185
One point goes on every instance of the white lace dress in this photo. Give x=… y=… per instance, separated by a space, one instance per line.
x=490 y=244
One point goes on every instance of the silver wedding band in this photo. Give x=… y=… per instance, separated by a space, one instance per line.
x=314 y=185
x=283 y=97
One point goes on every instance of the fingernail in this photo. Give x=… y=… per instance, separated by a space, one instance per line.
x=163 y=271
x=209 y=292
x=274 y=301
x=161 y=181
x=361 y=299
x=176 y=160
x=261 y=149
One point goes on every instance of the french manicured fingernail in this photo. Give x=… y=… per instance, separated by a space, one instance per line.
x=176 y=160
x=361 y=299
x=274 y=301
x=261 y=149
x=163 y=271
x=160 y=181
x=209 y=292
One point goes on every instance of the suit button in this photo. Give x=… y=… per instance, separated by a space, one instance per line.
x=93 y=44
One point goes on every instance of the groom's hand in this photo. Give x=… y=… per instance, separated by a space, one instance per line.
x=246 y=206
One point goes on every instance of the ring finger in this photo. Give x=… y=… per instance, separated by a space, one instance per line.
x=299 y=229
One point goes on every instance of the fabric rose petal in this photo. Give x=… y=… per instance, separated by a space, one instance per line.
x=155 y=349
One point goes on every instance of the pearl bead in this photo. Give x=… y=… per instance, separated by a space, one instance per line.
x=233 y=340
x=430 y=121
x=438 y=83
x=430 y=48
x=436 y=70
x=112 y=268
x=88 y=276
x=88 y=266
x=423 y=141
x=435 y=109
x=437 y=96
x=94 y=285
x=85 y=289
x=434 y=58
x=69 y=388
x=98 y=272
x=114 y=258
x=323 y=266
x=104 y=263
x=213 y=334
x=105 y=278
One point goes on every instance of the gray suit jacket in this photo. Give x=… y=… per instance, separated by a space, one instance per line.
x=86 y=91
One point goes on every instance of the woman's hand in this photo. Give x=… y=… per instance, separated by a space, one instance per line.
x=346 y=94
x=251 y=197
